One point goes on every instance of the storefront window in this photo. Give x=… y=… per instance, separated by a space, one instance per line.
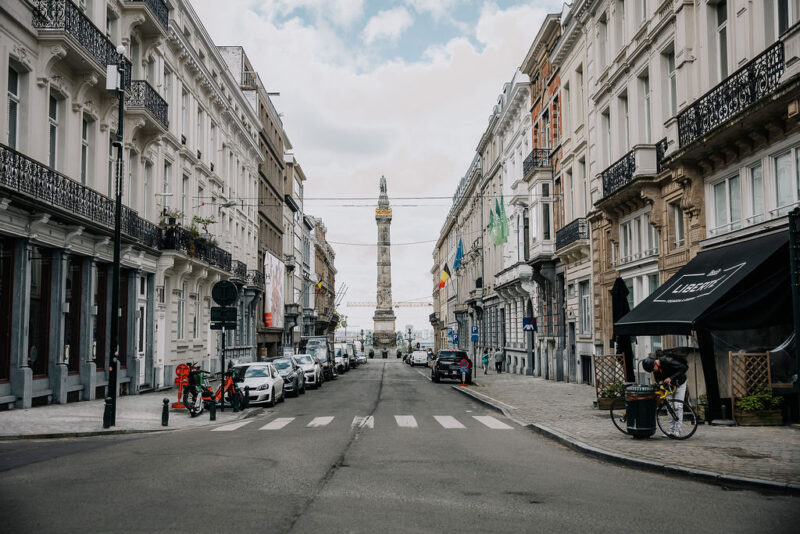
x=39 y=312
x=72 y=319
x=6 y=286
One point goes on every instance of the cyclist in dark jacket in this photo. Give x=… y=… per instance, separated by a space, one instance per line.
x=670 y=370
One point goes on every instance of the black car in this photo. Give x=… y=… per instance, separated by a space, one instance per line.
x=448 y=365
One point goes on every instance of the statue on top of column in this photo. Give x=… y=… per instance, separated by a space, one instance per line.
x=383 y=184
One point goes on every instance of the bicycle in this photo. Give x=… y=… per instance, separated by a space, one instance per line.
x=667 y=410
x=198 y=395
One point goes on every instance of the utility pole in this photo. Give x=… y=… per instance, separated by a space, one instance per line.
x=113 y=369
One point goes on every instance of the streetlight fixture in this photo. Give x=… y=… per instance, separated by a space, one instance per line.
x=115 y=81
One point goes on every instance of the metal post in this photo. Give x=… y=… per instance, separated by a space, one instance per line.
x=113 y=370
x=794 y=273
x=165 y=412
x=222 y=373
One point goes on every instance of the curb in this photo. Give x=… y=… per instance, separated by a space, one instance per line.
x=253 y=412
x=699 y=475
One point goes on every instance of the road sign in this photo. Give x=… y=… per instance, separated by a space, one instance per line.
x=464 y=364
x=224 y=293
x=475 y=336
x=455 y=339
x=223 y=314
x=220 y=326
x=450 y=333
x=529 y=324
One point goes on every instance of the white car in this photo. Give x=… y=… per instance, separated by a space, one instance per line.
x=419 y=357
x=311 y=368
x=265 y=384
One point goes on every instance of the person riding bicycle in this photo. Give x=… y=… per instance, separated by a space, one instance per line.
x=670 y=370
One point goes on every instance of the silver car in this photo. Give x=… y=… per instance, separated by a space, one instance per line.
x=311 y=369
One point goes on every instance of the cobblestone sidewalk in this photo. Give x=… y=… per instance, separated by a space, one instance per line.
x=764 y=453
x=135 y=413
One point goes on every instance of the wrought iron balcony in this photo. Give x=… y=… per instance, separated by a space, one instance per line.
x=538 y=158
x=143 y=96
x=733 y=96
x=255 y=278
x=43 y=186
x=239 y=270
x=180 y=239
x=158 y=8
x=53 y=16
x=619 y=174
x=643 y=160
x=572 y=232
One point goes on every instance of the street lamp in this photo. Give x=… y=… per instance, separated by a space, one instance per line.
x=363 y=349
x=115 y=81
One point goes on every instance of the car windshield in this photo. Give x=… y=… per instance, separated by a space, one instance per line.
x=452 y=355
x=282 y=364
x=252 y=371
x=304 y=359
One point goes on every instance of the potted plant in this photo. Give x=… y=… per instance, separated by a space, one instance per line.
x=701 y=406
x=760 y=408
x=610 y=393
x=203 y=222
x=172 y=216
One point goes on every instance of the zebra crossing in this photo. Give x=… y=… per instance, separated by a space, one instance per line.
x=446 y=422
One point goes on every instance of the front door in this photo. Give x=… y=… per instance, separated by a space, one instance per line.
x=571 y=357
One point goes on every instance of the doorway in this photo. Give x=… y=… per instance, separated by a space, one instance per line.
x=571 y=357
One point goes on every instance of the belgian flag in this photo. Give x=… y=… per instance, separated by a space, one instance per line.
x=445 y=276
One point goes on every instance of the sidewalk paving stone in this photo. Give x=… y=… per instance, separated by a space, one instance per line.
x=135 y=413
x=736 y=453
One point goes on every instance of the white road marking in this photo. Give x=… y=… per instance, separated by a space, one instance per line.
x=448 y=421
x=406 y=421
x=320 y=421
x=232 y=426
x=277 y=424
x=491 y=422
x=362 y=422
x=425 y=376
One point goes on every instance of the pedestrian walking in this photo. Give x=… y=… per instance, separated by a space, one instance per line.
x=485 y=362
x=498 y=360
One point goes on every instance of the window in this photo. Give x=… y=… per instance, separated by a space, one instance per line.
x=140 y=336
x=85 y=146
x=52 y=119
x=727 y=205
x=782 y=15
x=585 y=305
x=756 y=194
x=602 y=41
x=184 y=111
x=184 y=207
x=673 y=84
x=642 y=10
x=579 y=74
x=644 y=85
x=621 y=29
x=722 y=39
x=626 y=130
x=607 y=131
x=196 y=317
x=148 y=180
x=181 y=311
x=545 y=220
x=111 y=164
x=199 y=140
x=165 y=194
x=638 y=239
x=565 y=115
x=13 y=107
x=167 y=85
x=677 y=218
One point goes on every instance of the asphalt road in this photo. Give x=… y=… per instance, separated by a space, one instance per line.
x=371 y=468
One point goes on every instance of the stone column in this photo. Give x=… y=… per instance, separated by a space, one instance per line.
x=21 y=373
x=384 y=336
x=132 y=362
x=57 y=368
x=87 y=368
x=149 y=352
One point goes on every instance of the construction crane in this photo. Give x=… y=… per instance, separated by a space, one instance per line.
x=399 y=304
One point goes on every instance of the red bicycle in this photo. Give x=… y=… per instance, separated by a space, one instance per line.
x=197 y=395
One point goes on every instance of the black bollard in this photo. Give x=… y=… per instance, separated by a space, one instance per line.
x=246 y=396
x=165 y=412
x=235 y=402
x=108 y=413
x=212 y=411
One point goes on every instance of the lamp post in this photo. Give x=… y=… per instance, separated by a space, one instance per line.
x=363 y=349
x=409 y=339
x=115 y=81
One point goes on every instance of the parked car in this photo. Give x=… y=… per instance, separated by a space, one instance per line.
x=418 y=357
x=339 y=360
x=318 y=347
x=362 y=358
x=311 y=369
x=264 y=381
x=294 y=380
x=351 y=356
x=448 y=365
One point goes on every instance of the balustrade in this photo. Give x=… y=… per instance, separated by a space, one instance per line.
x=539 y=157
x=142 y=95
x=575 y=230
x=182 y=240
x=240 y=270
x=158 y=8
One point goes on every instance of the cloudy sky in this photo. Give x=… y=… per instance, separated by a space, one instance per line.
x=401 y=88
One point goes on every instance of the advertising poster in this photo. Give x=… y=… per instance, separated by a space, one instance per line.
x=273 y=291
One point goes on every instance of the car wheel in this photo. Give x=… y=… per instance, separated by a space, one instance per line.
x=435 y=378
x=271 y=402
x=283 y=396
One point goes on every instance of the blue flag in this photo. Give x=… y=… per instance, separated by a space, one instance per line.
x=459 y=255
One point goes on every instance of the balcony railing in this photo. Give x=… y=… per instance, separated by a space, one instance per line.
x=250 y=79
x=65 y=16
x=733 y=96
x=158 y=8
x=539 y=157
x=255 y=278
x=577 y=229
x=619 y=174
x=240 y=270
x=143 y=96
x=182 y=240
x=28 y=177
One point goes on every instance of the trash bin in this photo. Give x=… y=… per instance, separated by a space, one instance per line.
x=640 y=413
x=371 y=353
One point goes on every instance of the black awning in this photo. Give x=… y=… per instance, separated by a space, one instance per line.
x=737 y=286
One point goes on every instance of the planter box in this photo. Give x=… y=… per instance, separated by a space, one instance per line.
x=762 y=418
x=604 y=403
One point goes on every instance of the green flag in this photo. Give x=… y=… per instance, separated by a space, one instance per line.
x=503 y=219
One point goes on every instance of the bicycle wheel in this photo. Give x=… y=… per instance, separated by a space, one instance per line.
x=190 y=401
x=618 y=412
x=676 y=419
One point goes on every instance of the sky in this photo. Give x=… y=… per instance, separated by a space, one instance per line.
x=399 y=88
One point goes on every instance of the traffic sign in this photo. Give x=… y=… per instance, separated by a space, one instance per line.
x=455 y=339
x=223 y=314
x=464 y=364
x=475 y=335
x=224 y=293
x=450 y=333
